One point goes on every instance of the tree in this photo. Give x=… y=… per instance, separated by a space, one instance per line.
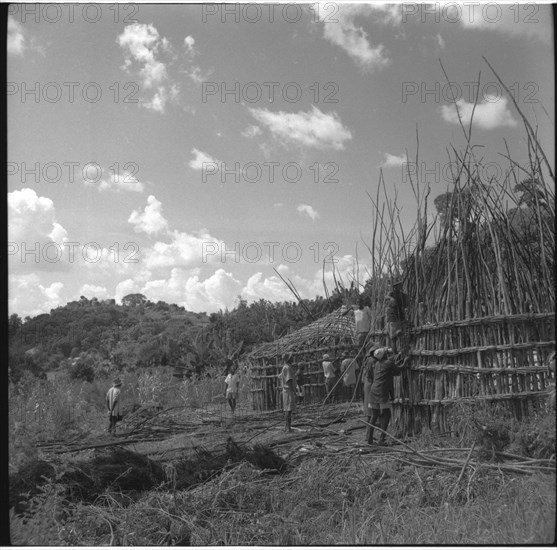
x=453 y=207
x=531 y=193
x=14 y=323
x=134 y=300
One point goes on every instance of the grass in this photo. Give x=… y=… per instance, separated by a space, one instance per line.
x=325 y=502
x=340 y=499
x=325 y=497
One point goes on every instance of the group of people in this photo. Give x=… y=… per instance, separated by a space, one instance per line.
x=377 y=373
x=372 y=369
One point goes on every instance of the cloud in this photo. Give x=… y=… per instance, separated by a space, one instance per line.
x=308 y=211
x=487 y=115
x=532 y=21
x=311 y=129
x=201 y=159
x=440 y=41
x=390 y=161
x=27 y=296
x=184 y=250
x=270 y=288
x=16 y=38
x=125 y=181
x=151 y=220
x=36 y=238
x=252 y=131
x=189 y=41
x=143 y=47
x=90 y=291
x=186 y=288
x=341 y=30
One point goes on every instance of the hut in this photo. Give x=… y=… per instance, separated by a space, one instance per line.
x=333 y=334
x=480 y=278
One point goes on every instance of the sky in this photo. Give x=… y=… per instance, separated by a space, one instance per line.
x=192 y=153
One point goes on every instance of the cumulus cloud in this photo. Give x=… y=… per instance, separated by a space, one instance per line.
x=269 y=288
x=340 y=29
x=27 y=296
x=35 y=238
x=143 y=47
x=184 y=250
x=311 y=129
x=151 y=220
x=188 y=289
x=390 y=161
x=488 y=115
x=32 y=218
x=16 y=38
x=307 y=210
x=201 y=160
x=92 y=291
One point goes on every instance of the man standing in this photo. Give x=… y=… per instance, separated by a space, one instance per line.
x=232 y=382
x=395 y=314
x=367 y=378
x=113 y=405
x=330 y=376
x=288 y=382
x=362 y=320
x=349 y=368
x=381 y=391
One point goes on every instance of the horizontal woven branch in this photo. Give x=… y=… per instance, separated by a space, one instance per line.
x=490 y=397
x=479 y=370
x=490 y=320
x=461 y=351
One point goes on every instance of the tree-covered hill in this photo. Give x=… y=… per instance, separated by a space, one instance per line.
x=89 y=337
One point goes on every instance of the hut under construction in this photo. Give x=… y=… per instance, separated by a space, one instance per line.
x=480 y=282
x=499 y=358
x=331 y=334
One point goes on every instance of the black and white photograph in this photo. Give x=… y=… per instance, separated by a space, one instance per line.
x=280 y=274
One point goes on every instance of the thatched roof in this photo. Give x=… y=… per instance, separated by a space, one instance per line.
x=333 y=329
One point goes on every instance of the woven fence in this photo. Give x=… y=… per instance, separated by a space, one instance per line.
x=496 y=359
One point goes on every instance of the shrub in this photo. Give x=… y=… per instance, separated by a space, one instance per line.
x=82 y=371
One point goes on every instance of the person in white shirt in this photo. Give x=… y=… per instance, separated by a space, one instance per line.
x=330 y=376
x=232 y=382
x=113 y=405
x=350 y=372
x=362 y=319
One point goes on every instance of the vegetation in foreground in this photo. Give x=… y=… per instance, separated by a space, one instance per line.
x=312 y=494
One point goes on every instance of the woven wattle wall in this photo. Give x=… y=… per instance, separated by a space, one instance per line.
x=497 y=359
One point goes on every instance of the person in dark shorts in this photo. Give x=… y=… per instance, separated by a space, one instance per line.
x=381 y=391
